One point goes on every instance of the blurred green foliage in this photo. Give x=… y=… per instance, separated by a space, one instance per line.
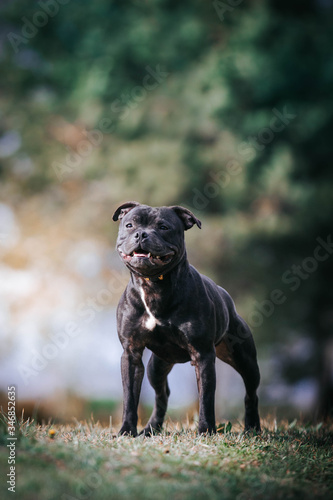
x=238 y=129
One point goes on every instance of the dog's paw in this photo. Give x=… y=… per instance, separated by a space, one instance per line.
x=150 y=431
x=206 y=429
x=127 y=430
x=252 y=430
x=252 y=424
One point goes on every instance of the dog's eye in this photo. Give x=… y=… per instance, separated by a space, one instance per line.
x=129 y=225
x=164 y=227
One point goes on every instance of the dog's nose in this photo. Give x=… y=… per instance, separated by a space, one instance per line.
x=141 y=236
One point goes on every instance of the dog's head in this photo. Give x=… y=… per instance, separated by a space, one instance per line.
x=151 y=239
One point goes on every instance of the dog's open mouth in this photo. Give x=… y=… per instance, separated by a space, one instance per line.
x=143 y=254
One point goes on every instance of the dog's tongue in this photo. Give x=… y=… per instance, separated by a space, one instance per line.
x=138 y=254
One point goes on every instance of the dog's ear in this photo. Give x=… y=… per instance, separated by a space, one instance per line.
x=187 y=217
x=124 y=209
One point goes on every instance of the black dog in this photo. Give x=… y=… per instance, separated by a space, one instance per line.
x=179 y=315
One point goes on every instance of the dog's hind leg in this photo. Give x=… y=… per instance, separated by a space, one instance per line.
x=239 y=351
x=158 y=371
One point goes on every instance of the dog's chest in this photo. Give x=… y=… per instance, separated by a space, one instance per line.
x=149 y=321
x=152 y=311
x=161 y=333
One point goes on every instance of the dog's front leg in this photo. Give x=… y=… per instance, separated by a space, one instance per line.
x=206 y=378
x=132 y=371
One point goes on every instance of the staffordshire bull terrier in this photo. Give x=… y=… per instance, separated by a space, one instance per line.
x=179 y=315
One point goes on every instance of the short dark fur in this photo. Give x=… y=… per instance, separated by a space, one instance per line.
x=179 y=315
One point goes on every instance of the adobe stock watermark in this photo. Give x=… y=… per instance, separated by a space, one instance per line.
x=248 y=149
x=12 y=438
x=30 y=27
x=292 y=277
x=59 y=341
x=121 y=108
x=221 y=8
x=85 y=488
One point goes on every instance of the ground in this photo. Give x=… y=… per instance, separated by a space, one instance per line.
x=86 y=460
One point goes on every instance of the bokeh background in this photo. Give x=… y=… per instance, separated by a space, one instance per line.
x=223 y=107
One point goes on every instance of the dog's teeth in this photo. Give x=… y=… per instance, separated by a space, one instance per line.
x=149 y=255
x=158 y=257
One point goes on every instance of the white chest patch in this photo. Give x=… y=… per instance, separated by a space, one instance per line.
x=151 y=321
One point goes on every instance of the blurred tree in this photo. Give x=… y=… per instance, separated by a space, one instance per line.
x=84 y=60
x=241 y=132
x=279 y=71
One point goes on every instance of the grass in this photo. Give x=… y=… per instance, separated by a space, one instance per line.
x=86 y=460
